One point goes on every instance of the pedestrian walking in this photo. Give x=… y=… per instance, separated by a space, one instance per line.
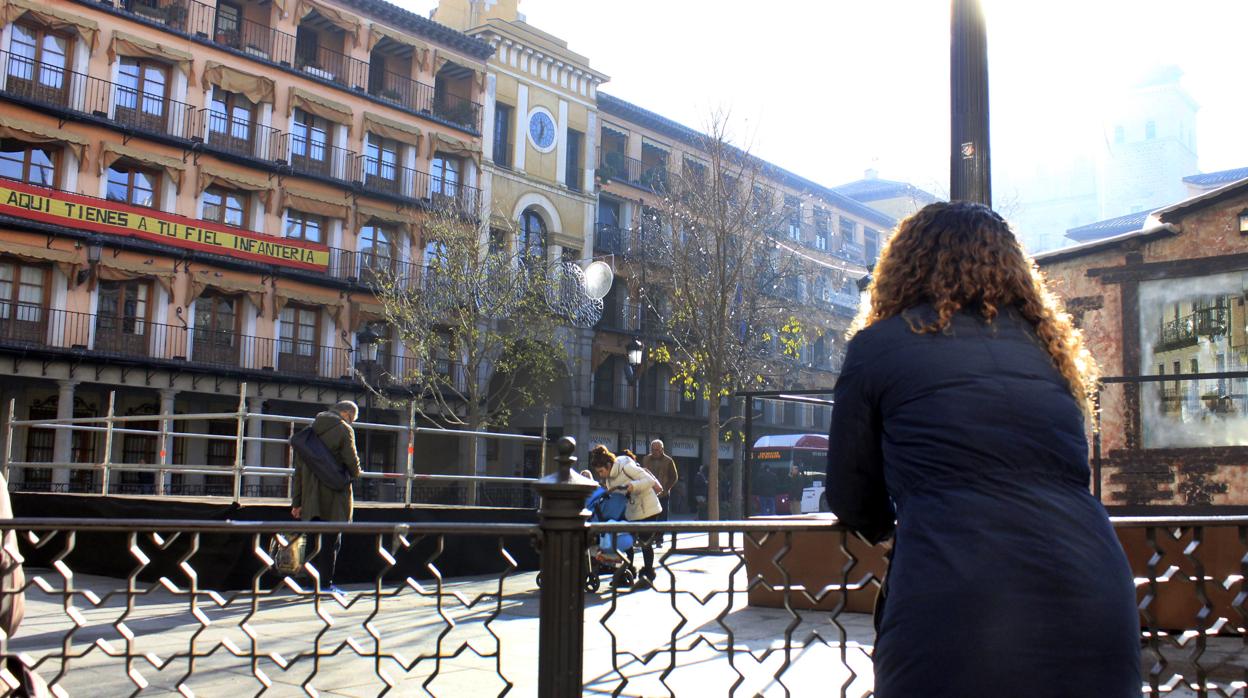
x=663 y=468
x=959 y=429
x=313 y=499
x=624 y=473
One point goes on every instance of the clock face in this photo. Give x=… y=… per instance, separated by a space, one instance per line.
x=542 y=130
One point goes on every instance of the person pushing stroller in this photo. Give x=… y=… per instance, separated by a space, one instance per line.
x=625 y=474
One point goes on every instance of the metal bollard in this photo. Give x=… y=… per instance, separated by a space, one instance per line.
x=564 y=540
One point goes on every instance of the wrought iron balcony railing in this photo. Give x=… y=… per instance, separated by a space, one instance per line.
x=56 y=87
x=647 y=175
x=609 y=238
x=241 y=137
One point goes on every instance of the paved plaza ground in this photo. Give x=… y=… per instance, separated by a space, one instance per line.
x=482 y=654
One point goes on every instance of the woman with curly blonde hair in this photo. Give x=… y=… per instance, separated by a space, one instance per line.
x=958 y=428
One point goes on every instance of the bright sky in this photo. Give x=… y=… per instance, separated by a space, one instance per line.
x=828 y=88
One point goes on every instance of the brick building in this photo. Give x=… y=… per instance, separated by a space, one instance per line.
x=1161 y=303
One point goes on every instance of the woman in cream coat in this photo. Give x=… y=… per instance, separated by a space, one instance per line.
x=625 y=474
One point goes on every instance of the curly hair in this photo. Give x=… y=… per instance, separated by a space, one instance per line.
x=959 y=254
x=601 y=456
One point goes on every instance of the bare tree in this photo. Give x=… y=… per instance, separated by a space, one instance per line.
x=726 y=298
x=478 y=325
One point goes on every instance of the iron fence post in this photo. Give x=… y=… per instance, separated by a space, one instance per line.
x=564 y=538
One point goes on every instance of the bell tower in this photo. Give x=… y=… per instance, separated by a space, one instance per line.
x=466 y=14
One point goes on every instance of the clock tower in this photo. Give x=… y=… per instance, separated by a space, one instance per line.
x=539 y=142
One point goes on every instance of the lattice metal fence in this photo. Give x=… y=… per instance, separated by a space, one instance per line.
x=774 y=608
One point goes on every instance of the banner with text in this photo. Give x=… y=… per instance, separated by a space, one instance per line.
x=98 y=215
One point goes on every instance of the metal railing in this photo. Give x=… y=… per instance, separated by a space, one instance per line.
x=764 y=607
x=249 y=467
x=269 y=44
x=647 y=175
x=368 y=269
x=57 y=87
x=609 y=238
x=313 y=158
x=242 y=137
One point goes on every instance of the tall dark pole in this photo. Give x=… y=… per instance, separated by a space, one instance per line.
x=970 y=166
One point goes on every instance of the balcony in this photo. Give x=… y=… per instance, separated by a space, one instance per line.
x=317 y=159
x=646 y=175
x=1186 y=331
x=242 y=138
x=609 y=238
x=333 y=66
x=454 y=197
x=311 y=360
x=368 y=269
x=49 y=85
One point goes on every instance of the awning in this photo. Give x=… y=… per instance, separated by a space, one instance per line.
x=112 y=152
x=333 y=302
x=441 y=58
x=115 y=269
x=347 y=22
x=320 y=106
x=124 y=44
x=368 y=312
x=389 y=128
x=209 y=175
x=447 y=144
x=52 y=18
x=254 y=292
x=377 y=32
x=65 y=260
x=364 y=213
x=310 y=202
x=32 y=132
x=254 y=87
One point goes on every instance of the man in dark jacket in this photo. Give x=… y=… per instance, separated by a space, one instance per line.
x=310 y=499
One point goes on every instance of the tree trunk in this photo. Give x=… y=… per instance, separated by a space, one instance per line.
x=474 y=446
x=738 y=464
x=712 y=472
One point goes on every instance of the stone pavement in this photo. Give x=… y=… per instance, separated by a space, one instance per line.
x=622 y=633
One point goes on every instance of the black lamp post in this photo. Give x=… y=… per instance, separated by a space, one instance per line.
x=635 y=352
x=94 y=252
x=367 y=340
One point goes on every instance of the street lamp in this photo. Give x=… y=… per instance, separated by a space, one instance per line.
x=94 y=252
x=368 y=339
x=634 y=354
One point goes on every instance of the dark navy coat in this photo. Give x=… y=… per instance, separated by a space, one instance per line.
x=1006 y=577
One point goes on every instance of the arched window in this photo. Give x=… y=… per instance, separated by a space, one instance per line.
x=532 y=235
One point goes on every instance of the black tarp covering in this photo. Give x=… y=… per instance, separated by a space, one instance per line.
x=227 y=561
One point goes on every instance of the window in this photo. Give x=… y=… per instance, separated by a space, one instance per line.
x=231 y=118
x=532 y=235
x=1150 y=130
x=871 y=243
x=793 y=211
x=381 y=164
x=27 y=162
x=305 y=226
x=23 y=299
x=572 y=173
x=847 y=229
x=822 y=229
x=121 y=320
x=226 y=206
x=134 y=186
x=444 y=174
x=376 y=248
x=39 y=63
x=297 y=342
x=502 y=134
x=216 y=323
x=229 y=24
x=309 y=143
x=142 y=87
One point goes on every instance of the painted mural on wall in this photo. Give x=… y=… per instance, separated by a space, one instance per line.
x=1197 y=325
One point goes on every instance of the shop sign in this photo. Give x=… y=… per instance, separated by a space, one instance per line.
x=604 y=438
x=22 y=200
x=683 y=447
x=725 y=451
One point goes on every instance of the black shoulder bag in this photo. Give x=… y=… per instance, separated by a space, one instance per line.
x=316 y=455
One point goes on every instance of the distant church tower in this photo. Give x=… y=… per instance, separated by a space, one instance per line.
x=1150 y=139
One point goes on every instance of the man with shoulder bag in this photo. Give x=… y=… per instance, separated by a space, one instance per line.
x=326 y=463
x=663 y=468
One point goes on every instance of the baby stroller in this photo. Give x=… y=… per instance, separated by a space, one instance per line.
x=609 y=554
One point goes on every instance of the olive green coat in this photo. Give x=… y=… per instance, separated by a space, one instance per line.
x=315 y=500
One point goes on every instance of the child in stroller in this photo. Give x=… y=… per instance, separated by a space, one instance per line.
x=610 y=552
